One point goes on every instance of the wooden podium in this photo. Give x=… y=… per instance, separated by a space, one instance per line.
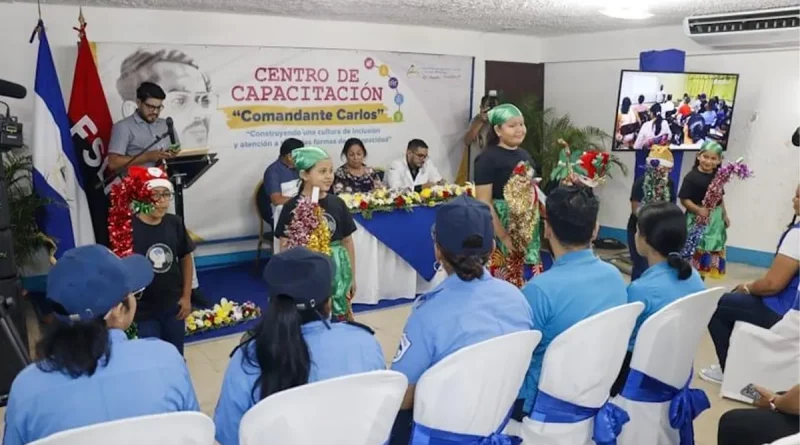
x=185 y=169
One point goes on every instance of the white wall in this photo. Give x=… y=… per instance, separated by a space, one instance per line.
x=17 y=20
x=582 y=77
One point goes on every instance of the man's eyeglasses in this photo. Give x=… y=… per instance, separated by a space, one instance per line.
x=152 y=107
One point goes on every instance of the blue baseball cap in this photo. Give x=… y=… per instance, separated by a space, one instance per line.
x=462 y=218
x=88 y=281
x=301 y=274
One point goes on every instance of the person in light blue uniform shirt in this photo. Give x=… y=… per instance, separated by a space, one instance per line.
x=468 y=307
x=578 y=285
x=87 y=371
x=294 y=343
x=660 y=235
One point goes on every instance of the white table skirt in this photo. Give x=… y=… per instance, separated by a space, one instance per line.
x=382 y=275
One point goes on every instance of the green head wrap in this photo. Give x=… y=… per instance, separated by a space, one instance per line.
x=712 y=146
x=305 y=158
x=502 y=113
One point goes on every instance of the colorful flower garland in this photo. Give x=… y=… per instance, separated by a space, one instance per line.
x=712 y=199
x=225 y=313
x=309 y=228
x=382 y=200
x=521 y=195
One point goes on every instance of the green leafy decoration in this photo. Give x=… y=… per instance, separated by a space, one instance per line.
x=24 y=205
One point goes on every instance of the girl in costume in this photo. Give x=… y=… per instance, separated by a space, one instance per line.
x=654 y=186
x=306 y=216
x=709 y=257
x=504 y=180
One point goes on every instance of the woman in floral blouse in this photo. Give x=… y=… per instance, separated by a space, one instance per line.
x=355 y=176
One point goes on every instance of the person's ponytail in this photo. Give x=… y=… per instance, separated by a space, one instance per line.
x=74 y=349
x=682 y=265
x=280 y=350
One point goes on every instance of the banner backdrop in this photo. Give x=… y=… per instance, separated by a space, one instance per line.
x=242 y=102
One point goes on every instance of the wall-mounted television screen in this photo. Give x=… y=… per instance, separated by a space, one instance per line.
x=680 y=109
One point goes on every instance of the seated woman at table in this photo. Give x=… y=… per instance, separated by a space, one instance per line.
x=762 y=302
x=316 y=172
x=493 y=170
x=355 y=176
x=293 y=344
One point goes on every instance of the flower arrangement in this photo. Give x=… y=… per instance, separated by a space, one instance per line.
x=383 y=200
x=225 y=313
x=712 y=198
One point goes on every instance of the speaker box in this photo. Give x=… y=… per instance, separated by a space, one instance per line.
x=8 y=266
x=10 y=365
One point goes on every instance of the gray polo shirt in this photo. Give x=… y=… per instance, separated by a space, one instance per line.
x=131 y=135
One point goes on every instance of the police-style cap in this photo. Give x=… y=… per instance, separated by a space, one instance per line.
x=460 y=219
x=88 y=281
x=301 y=274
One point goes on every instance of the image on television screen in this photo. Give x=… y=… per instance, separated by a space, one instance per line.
x=680 y=109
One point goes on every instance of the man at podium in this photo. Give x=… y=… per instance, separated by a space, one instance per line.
x=133 y=134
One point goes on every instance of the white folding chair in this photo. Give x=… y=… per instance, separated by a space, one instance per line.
x=794 y=439
x=665 y=347
x=471 y=391
x=579 y=367
x=181 y=428
x=357 y=409
x=766 y=357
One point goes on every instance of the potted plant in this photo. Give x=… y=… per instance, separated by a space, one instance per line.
x=23 y=206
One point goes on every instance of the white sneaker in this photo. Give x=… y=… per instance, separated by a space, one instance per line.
x=711 y=374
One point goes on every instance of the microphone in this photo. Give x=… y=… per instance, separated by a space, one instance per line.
x=171 y=131
x=13 y=90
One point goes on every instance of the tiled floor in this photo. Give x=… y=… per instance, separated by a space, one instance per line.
x=207 y=361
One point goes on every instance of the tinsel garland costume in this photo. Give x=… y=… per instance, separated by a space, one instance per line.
x=705 y=243
x=519 y=214
x=656 y=178
x=308 y=227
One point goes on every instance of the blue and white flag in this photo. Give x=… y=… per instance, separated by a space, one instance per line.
x=56 y=173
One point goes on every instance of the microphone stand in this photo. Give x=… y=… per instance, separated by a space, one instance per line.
x=118 y=172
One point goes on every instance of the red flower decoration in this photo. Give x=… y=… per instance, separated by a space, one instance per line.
x=363 y=205
x=445 y=194
x=399 y=201
x=469 y=192
x=520 y=169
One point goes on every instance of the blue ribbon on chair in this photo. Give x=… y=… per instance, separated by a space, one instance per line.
x=608 y=419
x=685 y=404
x=423 y=435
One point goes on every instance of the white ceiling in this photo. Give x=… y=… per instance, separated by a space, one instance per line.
x=533 y=17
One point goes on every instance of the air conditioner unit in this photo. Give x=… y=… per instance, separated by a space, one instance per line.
x=772 y=28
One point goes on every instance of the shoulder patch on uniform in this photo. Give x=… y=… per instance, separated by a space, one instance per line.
x=405 y=344
x=360 y=325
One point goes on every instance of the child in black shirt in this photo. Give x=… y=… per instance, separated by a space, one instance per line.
x=316 y=171
x=162 y=238
x=660 y=187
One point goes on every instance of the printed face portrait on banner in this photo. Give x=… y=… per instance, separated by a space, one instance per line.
x=189 y=99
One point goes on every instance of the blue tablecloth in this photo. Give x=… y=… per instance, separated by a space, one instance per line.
x=408 y=234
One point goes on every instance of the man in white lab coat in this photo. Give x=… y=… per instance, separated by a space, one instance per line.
x=414 y=170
